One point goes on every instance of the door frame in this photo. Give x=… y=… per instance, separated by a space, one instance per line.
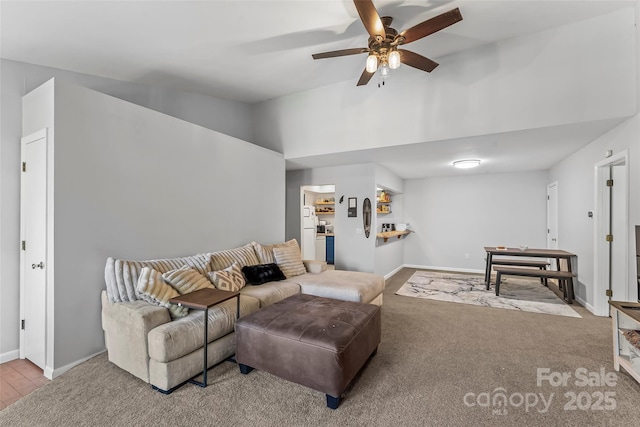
x=601 y=226
x=553 y=214
x=49 y=301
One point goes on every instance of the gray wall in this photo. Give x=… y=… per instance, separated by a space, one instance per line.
x=455 y=216
x=576 y=196
x=134 y=183
x=576 y=193
x=16 y=80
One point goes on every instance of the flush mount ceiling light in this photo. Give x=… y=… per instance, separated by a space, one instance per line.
x=466 y=164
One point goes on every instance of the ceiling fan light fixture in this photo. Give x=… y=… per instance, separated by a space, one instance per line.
x=394 y=60
x=466 y=164
x=372 y=63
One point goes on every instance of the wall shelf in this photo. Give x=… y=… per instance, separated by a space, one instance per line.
x=389 y=234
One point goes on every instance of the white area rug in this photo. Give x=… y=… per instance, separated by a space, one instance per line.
x=515 y=293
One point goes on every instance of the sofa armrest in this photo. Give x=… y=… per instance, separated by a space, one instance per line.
x=126 y=326
x=314 y=266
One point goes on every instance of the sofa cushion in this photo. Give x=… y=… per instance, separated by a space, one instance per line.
x=262 y=273
x=186 y=280
x=155 y=290
x=265 y=252
x=229 y=279
x=289 y=260
x=121 y=276
x=175 y=339
x=244 y=255
x=342 y=285
x=271 y=292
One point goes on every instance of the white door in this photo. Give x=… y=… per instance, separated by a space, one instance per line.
x=611 y=257
x=33 y=226
x=618 y=226
x=552 y=217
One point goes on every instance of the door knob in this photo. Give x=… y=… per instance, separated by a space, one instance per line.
x=41 y=265
x=554 y=240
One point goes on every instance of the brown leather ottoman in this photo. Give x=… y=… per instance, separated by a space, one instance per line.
x=317 y=342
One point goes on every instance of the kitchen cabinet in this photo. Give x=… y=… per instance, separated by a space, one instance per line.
x=330 y=249
x=321 y=248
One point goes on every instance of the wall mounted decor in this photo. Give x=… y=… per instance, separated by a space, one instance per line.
x=352 y=207
x=366 y=217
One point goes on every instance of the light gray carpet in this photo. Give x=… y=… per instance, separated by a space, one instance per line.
x=516 y=293
x=432 y=355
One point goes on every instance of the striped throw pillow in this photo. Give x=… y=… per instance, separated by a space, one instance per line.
x=229 y=279
x=186 y=280
x=155 y=290
x=244 y=255
x=265 y=252
x=289 y=260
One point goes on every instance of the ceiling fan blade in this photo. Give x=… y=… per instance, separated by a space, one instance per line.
x=364 y=78
x=370 y=18
x=431 y=26
x=417 y=61
x=342 y=52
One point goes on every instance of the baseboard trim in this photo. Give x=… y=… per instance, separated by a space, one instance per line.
x=450 y=269
x=392 y=272
x=586 y=305
x=9 y=356
x=53 y=373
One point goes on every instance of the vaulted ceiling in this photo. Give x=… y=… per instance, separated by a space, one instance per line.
x=252 y=51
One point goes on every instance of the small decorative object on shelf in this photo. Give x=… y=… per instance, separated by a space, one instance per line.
x=383 y=202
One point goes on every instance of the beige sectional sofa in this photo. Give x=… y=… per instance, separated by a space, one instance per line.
x=143 y=339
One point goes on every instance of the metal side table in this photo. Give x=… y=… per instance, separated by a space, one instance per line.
x=202 y=299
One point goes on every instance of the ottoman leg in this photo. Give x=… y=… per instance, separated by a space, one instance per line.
x=244 y=369
x=333 y=402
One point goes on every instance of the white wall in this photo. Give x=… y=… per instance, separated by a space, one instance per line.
x=134 y=183
x=571 y=74
x=389 y=255
x=455 y=216
x=16 y=80
x=353 y=251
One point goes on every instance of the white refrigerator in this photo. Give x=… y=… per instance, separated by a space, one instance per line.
x=309 y=229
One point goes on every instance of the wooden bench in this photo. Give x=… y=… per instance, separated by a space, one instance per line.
x=564 y=278
x=541 y=264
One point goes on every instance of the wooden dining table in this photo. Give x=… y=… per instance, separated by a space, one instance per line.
x=556 y=254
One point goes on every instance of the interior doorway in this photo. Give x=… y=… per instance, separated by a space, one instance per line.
x=317 y=222
x=611 y=233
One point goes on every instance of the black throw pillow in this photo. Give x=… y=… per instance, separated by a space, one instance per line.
x=262 y=273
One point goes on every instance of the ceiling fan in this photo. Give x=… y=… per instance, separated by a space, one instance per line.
x=384 y=41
